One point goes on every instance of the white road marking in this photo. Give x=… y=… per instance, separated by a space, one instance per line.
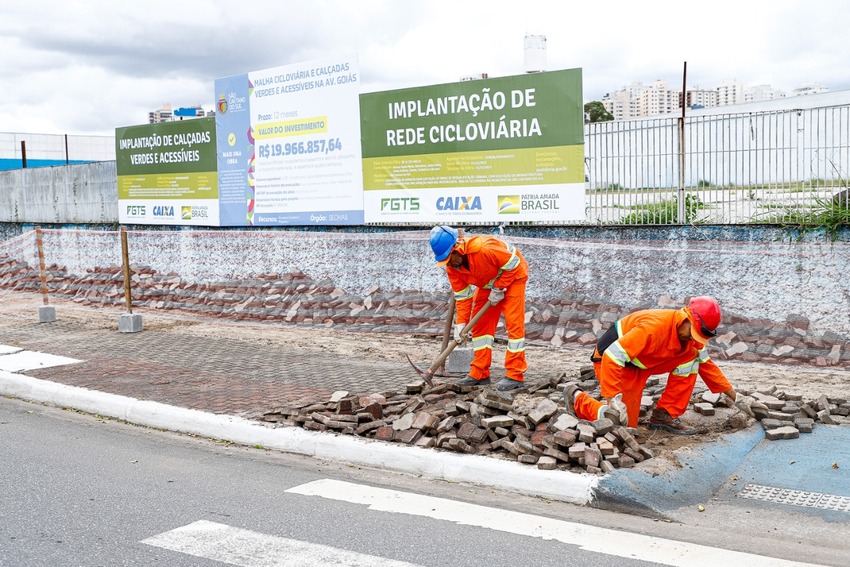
x=6 y=349
x=246 y=548
x=589 y=538
x=19 y=361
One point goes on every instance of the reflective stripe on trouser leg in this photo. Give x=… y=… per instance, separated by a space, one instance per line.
x=631 y=386
x=482 y=340
x=513 y=306
x=677 y=394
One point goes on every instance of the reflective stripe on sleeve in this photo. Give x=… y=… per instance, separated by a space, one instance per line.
x=686 y=369
x=702 y=355
x=620 y=357
x=465 y=293
x=511 y=264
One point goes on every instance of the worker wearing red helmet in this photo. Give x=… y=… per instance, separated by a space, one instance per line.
x=485 y=269
x=650 y=342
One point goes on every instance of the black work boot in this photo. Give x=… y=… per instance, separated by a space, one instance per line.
x=509 y=384
x=570 y=389
x=470 y=381
x=661 y=420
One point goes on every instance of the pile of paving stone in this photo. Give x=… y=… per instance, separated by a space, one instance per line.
x=530 y=425
x=787 y=415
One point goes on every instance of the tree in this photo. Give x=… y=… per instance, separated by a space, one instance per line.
x=595 y=112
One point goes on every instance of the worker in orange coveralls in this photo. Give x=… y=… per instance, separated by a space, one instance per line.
x=650 y=342
x=482 y=269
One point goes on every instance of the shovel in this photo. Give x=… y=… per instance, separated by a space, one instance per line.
x=428 y=375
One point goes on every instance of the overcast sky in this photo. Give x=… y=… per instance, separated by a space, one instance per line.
x=89 y=66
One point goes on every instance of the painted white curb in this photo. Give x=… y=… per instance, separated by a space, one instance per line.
x=473 y=469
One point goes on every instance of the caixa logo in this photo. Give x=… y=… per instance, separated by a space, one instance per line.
x=459 y=203
x=135 y=210
x=400 y=204
x=163 y=211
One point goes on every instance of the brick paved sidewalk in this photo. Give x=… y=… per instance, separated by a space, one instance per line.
x=217 y=375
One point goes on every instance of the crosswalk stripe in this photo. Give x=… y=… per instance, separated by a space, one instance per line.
x=589 y=538
x=246 y=548
x=14 y=359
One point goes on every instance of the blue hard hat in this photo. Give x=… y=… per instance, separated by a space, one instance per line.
x=443 y=240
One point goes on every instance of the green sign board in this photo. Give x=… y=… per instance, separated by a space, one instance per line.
x=476 y=151
x=168 y=165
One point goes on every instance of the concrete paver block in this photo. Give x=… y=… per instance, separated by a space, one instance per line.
x=129 y=323
x=459 y=360
x=785 y=432
x=46 y=314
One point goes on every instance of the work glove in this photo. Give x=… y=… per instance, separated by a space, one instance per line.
x=496 y=295
x=750 y=406
x=458 y=336
x=616 y=404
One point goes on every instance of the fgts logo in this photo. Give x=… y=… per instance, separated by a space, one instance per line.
x=400 y=204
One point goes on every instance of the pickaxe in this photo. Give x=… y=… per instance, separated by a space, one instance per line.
x=428 y=375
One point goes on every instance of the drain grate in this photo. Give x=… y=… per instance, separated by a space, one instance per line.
x=817 y=500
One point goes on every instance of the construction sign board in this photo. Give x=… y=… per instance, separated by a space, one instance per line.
x=167 y=173
x=497 y=150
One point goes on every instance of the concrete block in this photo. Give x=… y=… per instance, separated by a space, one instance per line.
x=530 y=460
x=786 y=432
x=710 y=398
x=804 y=425
x=602 y=426
x=495 y=421
x=46 y=314
x=770 y=423
x=129 y=323
x=543 y=411
x=459 y=360
x=704 y=408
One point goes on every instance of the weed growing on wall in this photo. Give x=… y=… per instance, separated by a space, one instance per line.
x=665 y=211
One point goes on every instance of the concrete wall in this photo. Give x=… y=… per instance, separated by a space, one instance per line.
x=84 y=193
x=754 y=272
x=770 y=276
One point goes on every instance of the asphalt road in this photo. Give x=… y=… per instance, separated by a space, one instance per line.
x=84 y=490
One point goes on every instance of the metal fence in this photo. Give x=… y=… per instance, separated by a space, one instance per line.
x=784 y=167
x=40 y=150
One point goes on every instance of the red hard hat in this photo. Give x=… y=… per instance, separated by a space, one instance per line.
x=706 y=317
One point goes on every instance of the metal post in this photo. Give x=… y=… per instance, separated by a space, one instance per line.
x=23 y=154
x=41 y=269
x=66 y=150
x=46 y=313
x=125 y=258
x=681 y=204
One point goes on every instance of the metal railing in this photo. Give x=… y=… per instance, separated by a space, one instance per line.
x=19 y=150
x=759 y=167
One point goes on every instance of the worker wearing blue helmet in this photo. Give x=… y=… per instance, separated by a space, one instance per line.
x=484 y=269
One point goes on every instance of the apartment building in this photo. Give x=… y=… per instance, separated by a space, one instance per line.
x=638 y=100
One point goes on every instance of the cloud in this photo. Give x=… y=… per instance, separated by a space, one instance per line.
x=87 y=67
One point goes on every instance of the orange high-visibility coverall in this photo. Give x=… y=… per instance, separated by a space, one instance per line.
x=492 y=264
x=649 y=344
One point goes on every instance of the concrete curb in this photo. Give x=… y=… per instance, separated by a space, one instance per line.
x=703 y=472
x=473 y=469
